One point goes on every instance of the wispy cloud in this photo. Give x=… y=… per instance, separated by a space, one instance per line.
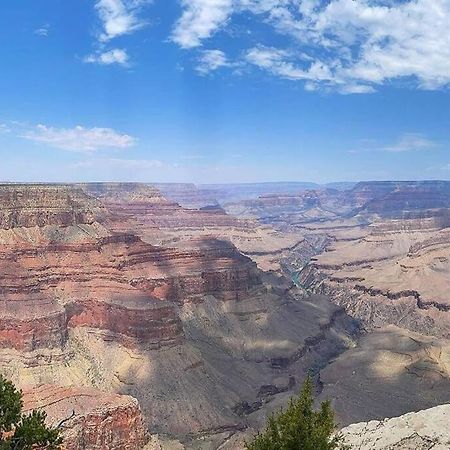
x=411 y=142
x=42 y=31
x=4 y=128
x=407 y=142
x=344 y=45
x=79 y=139
x=200 y=20
x=211 y=60
x=114 y=56
x=117 y=18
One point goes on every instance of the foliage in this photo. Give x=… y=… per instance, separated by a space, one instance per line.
x=19 y=431
x=300 y=427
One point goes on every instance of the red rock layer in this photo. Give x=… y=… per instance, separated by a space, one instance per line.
x=35 y=323
x=97 y=421
x=82 y=275
x=118 y=284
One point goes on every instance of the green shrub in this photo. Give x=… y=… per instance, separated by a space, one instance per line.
x=299 y=426
x=19 y=431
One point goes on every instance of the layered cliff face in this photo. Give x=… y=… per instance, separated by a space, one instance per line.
x=286 y=210
x=190 y=328
x=63 y=271
x=142 y=209
x=40 y=205
x=394 y=198
x=364 y=201
x=386 y=253
x=391 y=274
x=90 y=419
x=187 y=195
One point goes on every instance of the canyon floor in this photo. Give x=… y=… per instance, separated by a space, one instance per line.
x=191 y=313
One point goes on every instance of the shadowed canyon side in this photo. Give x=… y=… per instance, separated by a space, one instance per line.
x=384 y=258
x=189 y=327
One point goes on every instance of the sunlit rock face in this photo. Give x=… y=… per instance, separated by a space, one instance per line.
x=381 y=252
x=62 y=269
x=89 y=419
x=40 y=205
x=427 y=429
x=141 y=208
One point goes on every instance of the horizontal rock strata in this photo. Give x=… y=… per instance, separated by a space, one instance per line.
x=89 y=419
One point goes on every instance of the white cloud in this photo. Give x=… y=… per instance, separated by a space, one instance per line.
x=211 y=60
x=200 y=20
x=351 y=46
x=114 y=56
x=79 y=139
x=282 y=63
x=407 y=142
x=356 y=89
x=119 y=17
x=411 y=142
x=42 y=31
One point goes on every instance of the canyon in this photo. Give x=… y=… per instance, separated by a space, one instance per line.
x=181 y=315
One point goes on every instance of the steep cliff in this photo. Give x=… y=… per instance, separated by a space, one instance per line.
x=89 y=419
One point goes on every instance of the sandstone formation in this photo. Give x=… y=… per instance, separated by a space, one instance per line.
x=210 y=320
x=39 y=205
x=424 y=430
x=188 y=195
x=90 y=420
x=140 y=296
x=96 y=279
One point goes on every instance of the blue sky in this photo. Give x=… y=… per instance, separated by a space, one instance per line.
x=224 y=90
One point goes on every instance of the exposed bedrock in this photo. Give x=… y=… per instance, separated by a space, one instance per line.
x=33 y=324
x=89 y=419
x=141 y=209
x=115 y=283
x=130 y=320
x=376 y=307
x=423 y=430
x=39 y=205
x=390 y=372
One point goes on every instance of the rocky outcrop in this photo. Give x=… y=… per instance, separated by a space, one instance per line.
x=423 y=430
x=89 y=419
x=119 y=284
x=40 y=205
x=376 y=307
